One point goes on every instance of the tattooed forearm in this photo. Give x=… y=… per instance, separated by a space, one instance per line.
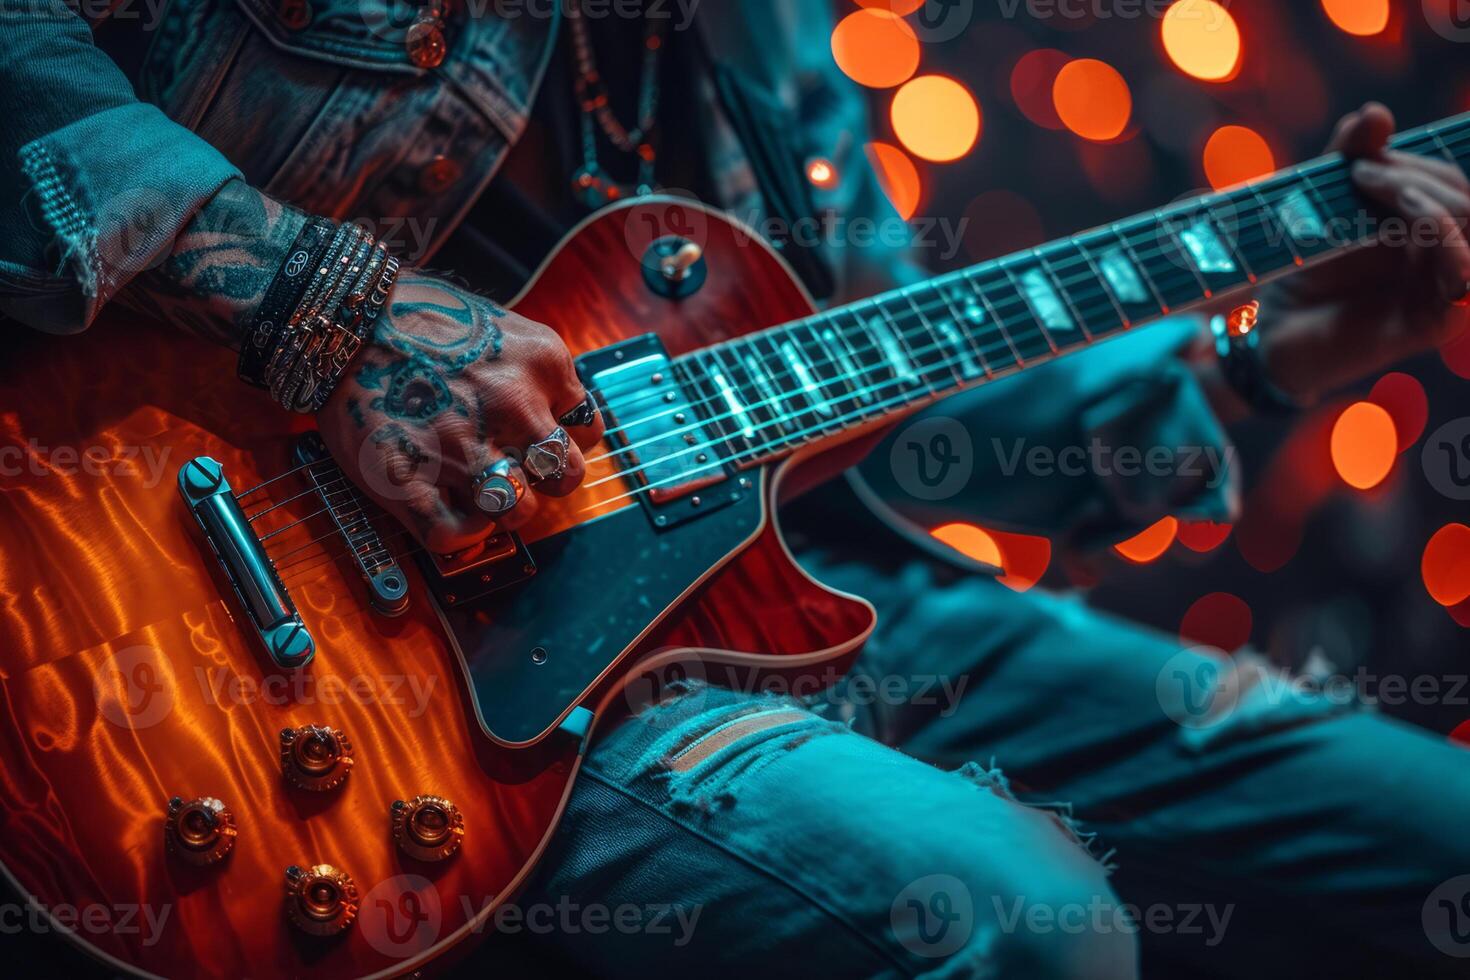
x=220 y=266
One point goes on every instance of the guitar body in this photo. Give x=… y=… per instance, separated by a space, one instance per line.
x=129 y=677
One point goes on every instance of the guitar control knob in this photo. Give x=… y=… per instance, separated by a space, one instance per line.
x=199 y=831
x=320 y=900
x=315 y=757
x=427 y=828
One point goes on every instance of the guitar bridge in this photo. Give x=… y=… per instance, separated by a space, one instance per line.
x=251 y=573
x=348 y=509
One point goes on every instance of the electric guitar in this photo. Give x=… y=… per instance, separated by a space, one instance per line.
x=250 y=731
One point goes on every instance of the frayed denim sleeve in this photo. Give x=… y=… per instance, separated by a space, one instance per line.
x=98 y=184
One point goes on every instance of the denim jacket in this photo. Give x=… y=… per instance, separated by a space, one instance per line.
x=108 y=149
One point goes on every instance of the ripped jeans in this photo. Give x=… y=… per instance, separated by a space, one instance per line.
x=869 y=833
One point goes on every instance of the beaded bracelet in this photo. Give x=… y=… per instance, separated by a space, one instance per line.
x=300 y=352
x=282 y=296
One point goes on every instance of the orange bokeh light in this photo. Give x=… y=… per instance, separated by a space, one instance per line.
x=1236 y=154
x=901 y=7
x=936 y=118
x=1360 y=17
x=1202 y=39
x=875 y=48
x=973 y=542
x=1219 y=619
x=1203 y=536
x=1024 y=557
x=1031 y=85
x=898 y=177
x=1149 y=543
x=1092 y=99
x=1404 y=399
x=1446 y=565
x=1364 y=445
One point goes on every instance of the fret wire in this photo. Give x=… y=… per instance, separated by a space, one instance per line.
x=1123 y=320
x=934 y=334
x=1002 y=323
x=1062 y=291
x=894 y=330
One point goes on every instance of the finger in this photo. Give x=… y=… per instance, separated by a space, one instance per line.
x=1387 y=184
x=571 y=475
x=1441 y=170
x=1450 y=254
x=583 y=422
x=439 y=524
x=1363 y=133
x=499 y=484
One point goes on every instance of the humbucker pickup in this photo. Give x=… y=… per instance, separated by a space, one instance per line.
x=659 y=434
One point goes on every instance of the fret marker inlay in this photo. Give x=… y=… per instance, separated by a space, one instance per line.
x=1300 y=218
x=803 y=374
x=893 y=351
x=1205 y=248
x=968 y=368
x=1122 y=277
x=1048 y=306
x=769 y=396
x=737 y=408
x=849 y=366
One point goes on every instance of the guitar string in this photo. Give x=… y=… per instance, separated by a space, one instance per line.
x=901 y=323
x=988 y=338
x=755 y=449
x=1197 y=208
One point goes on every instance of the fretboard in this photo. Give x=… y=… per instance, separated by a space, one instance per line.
x=769 y=392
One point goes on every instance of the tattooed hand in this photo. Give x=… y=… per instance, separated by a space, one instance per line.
x=451 y=384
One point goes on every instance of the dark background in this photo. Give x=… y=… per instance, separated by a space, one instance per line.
x=1351 y=592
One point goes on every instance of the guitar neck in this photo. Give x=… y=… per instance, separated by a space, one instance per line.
x=818 y=378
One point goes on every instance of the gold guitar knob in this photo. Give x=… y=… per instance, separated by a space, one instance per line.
x=427 y=828
x=315 y=757
x=198 y=831
x=320 y=900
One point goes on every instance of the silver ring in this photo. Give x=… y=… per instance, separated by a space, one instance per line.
x=547 y=459
x=497 y=488
x=584 y=414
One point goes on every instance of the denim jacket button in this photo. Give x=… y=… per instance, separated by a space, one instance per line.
x=438 y=175
x=425 y=43
x=295 y=14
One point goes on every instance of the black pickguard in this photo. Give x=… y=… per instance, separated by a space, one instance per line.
x=532 y=649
